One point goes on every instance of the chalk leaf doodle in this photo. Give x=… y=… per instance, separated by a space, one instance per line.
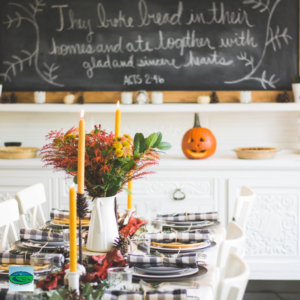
x=272 y=38
x=17 y=63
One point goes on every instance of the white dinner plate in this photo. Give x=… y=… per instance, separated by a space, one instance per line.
x=187 y=272
x=206 y=244
x=189 y=223
x=161 y=270
x=173 y=225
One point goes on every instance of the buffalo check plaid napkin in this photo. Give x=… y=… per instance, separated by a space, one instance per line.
x=185 y=217
x=181 y=237
x=24 y=259
x=64 y=215
x=187 y=260
x=179 y=294
x=39 y=235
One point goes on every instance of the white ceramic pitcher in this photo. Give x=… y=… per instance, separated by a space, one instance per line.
x=103 y=226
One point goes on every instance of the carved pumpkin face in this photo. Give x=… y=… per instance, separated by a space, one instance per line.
x=198 y=142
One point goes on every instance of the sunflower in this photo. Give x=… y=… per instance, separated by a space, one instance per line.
x=119 y=152
x=117 y=146
x=126 y=144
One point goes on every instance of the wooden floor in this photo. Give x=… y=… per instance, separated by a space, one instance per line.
x=272 y=290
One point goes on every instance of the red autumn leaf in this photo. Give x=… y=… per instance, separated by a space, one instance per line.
x=114 y=255
x=132 y=227
x=98 y=258
x=48 y=284
x=89 y=277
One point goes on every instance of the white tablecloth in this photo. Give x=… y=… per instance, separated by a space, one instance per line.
x=209 y=281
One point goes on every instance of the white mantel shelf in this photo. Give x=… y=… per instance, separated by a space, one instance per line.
x=222 y=160
x=150 y=108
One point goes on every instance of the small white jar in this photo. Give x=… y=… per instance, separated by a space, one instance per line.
x=157 y=98
x=203 y=99
x=245 y=97
x=126 y=98
x=39 y=97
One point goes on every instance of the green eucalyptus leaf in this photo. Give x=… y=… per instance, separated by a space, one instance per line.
x=75 y=179
x=164 y=146
x=87 y=289
x=56 y=296
x=159 y=138
x=127 y=190
x=150 y=140
x=139 y=143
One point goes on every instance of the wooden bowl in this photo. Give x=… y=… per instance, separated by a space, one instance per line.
x=18 y=152
x=256 y=153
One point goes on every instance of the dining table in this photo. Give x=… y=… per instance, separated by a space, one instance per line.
x=206 y=283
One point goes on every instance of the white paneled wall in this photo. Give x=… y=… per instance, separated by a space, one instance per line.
x=234 y=129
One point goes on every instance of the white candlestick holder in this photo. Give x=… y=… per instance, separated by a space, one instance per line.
x=73 y=278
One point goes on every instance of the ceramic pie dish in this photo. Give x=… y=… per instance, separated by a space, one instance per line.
x=256 y=152
x=18 y=152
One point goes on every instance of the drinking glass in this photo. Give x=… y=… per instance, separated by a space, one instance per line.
x=66 y=237
x=42 y=263
x=152 y=209
x=120 y=278
x=157 y=225
x=140 y=246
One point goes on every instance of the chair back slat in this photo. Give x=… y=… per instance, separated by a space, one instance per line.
x=9 y=213
x=31 y=198
x=243 y=206
x=233 y=284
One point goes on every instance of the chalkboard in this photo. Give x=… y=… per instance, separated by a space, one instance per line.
x=111 y=45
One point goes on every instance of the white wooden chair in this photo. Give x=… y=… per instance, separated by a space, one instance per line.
x=233 y=243
x=9 y=213
x=233 y=284
x=243 y=206
x=32 y=198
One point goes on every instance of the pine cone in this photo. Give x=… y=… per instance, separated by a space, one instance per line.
x=214 y=98
x=13 y=98
x=63 y=251
x=121 y=244
x=283 y=98
x=82 y=206
x=72 y=295
x=5 y=99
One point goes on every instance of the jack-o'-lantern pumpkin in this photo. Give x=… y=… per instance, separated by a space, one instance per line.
x=198 y=142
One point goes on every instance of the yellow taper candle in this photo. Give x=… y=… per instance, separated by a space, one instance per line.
x=81 y=154
x=118 y=122
x=129 y=197
x=73 y=229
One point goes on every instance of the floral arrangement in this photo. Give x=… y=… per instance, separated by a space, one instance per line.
x=110 y=162
x=96 y=270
